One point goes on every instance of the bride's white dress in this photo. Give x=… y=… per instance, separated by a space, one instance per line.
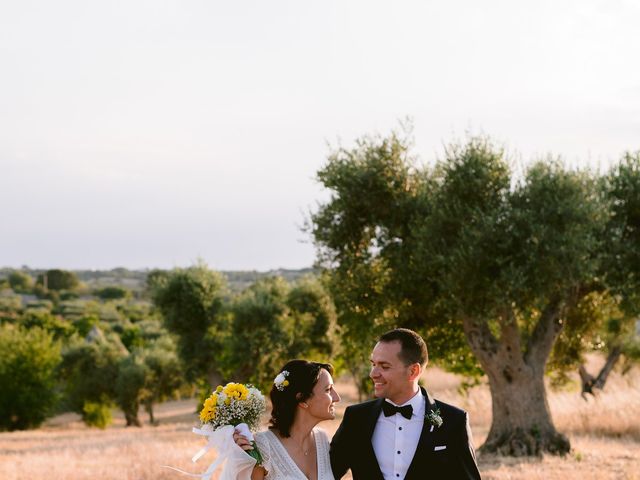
x=280 y=466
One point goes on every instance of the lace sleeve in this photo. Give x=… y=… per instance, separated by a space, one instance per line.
x=324 y=438
x=262 y=441
x=324 y=465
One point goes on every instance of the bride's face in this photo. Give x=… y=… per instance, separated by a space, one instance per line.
x=322 y=402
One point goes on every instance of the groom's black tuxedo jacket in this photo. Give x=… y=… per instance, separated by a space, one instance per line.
x=351 y=447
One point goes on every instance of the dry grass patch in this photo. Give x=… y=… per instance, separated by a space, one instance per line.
x=604 y=432
x=591 y=458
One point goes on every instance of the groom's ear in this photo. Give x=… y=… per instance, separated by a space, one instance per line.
x=415 y=370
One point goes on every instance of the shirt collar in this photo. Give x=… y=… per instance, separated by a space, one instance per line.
x=417 y=402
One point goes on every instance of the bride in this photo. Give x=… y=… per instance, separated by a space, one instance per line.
x=294 y=448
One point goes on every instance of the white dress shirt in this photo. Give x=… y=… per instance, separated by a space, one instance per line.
x=395 y=438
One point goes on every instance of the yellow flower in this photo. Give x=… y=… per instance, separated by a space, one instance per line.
x=218 y=388
x=206 y=415
x=236 y=391
x=285 y=383
x=209 y=408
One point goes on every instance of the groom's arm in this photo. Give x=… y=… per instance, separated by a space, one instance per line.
x=467 y=464
x=339 y=451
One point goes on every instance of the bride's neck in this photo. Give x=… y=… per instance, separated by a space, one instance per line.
x=302 y=427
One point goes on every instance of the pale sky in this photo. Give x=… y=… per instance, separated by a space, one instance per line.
x=153 y=133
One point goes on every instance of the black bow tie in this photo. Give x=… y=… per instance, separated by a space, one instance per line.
x=390 y=409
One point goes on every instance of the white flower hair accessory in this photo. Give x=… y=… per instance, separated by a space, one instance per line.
x=281 y=381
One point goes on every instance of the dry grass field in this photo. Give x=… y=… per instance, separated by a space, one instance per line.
x=604 y=433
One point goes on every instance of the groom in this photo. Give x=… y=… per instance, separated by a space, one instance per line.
x=405 y=433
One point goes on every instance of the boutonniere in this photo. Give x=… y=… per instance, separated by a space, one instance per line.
x=434 y=419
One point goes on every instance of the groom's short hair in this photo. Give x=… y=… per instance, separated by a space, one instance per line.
x=413 y=349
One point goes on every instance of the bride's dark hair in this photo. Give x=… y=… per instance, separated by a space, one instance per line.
x=303 y=376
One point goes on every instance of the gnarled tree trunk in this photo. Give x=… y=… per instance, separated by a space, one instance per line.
x=521 y=423
x=148 y=406
x=132 y=419
x=130 y=409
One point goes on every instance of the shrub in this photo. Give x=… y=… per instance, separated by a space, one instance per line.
x=20 y=282
x=96 y=414
x=28 y=361
x=112 y=293
x=56 y=325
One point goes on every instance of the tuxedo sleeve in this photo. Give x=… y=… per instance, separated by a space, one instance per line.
x=467 y=464
x=339 y=449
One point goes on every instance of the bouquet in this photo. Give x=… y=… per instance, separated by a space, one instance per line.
x=233 y=407
x=238 y=405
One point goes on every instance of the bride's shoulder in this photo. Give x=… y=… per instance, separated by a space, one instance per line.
x=263 y=436
x=321 y=433
x=266 y=439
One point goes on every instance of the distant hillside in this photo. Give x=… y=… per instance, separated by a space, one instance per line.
x=136 y=279
x=239 y=280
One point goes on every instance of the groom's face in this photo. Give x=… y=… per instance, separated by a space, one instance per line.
x=392 y=379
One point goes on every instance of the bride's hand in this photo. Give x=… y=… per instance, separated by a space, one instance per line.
x=258 y=472
x=242 y=441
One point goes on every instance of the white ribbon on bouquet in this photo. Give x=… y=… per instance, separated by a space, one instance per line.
x=235 y=464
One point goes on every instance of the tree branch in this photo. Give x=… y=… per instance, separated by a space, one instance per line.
x=612 y=359
x=544 y=335
x=550 y=325
x=482 y=342
x=591 y=383
x=510 y=332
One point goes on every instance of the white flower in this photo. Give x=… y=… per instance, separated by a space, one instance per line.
x=221 y=398
x=254 y=392
x=281 y=380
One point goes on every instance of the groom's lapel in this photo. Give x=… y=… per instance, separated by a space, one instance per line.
x=427 y=441
x=372 y=420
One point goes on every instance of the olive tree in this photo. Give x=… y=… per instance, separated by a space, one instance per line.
x=89 y=370
x=148 y=375
x=615 y=333
x=273 y=322
x=469 y=252
x=191 y=303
